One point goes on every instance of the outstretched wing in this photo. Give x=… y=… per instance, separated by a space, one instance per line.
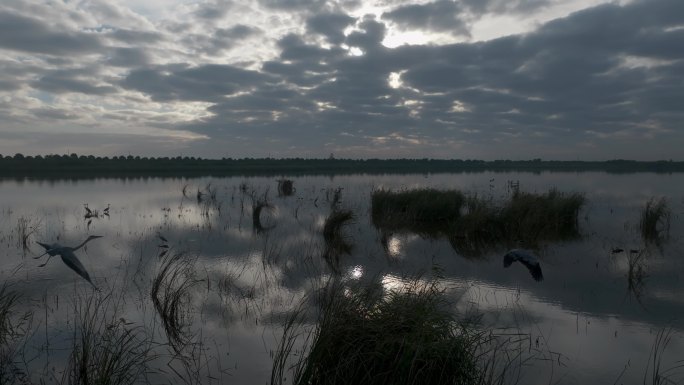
x=52 y=249
x=70 y=260
x=509 y=258
x=535 y=270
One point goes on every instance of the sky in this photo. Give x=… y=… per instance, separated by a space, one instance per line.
x=466 y=79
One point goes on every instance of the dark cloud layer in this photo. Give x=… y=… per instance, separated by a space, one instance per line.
x=608 y=75
x=565 y=82
x=21 y=33
x=442 y=15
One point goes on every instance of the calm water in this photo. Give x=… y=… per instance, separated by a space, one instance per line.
x=582 y=323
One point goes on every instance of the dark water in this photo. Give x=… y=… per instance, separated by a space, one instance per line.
x=583 y=323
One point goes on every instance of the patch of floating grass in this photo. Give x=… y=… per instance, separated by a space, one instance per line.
x=415 y=209
x=552 y=215
x=471 y=223
x=655 y=220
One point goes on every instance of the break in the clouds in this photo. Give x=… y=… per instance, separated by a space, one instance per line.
x=556 y=79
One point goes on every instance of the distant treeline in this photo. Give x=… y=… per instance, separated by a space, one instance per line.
x=91 y=166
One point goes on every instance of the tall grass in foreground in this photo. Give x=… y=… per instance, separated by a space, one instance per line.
x=472 y=223
x=405 y=336
x=171 y=297
x=106 y=351
x=655 y=373
x=655 y=220
x=13 y=327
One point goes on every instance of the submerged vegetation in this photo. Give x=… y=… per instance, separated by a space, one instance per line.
x=472 y=223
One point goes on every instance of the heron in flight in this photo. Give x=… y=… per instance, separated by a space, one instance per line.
x=526 y=258
x=68 y=256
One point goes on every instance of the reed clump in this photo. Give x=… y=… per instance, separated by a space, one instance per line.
x=332 y=230
x=551 y=216
x=257 y=208
x=636 y=273
x=405 y=336
x=106 y=350
x=472 y=223
x=285 y=187
x=13 y=327
x=655 y=220
x=419 y=209
x=336 y=243
x=171 y=297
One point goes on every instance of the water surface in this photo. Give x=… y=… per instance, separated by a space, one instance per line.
x=583 y=322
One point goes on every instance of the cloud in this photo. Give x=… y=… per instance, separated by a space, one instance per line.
x=330 y=25
x=606 y=74
x=291 y=5
x=504 y=6
x=135 y=37
x=219 y=40
x=442 y=15
x=548 y=87
x=202 y=83
x=213 y=10
x=21 y=33
x=58 y=85
x=128 y=57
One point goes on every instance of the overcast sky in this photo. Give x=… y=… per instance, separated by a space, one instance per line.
x=486 y=79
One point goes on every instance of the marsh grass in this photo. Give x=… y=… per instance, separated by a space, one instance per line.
x=106 y=349
x=404 y=336
x=655 y=373
x=257 y=208
x=419 y=210
x=26 y=226
x=636 y=273
x=552 y=215
x=336 y=243
x=171 y=297
x=13 y=327
x=333 y=197
x=285 y=187
x=472 y=223
x=655 y=221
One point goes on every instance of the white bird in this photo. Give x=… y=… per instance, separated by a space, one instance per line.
x=526 y=258
x=68 y=256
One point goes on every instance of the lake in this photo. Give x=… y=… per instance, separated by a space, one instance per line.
x=606 y=295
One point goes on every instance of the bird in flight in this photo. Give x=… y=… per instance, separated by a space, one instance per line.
x=68 y=256
x=526 y=258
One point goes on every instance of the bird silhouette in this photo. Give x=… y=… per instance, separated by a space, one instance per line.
x=526 y=258
x=68 y=256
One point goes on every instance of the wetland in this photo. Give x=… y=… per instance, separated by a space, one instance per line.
x=339 y=279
